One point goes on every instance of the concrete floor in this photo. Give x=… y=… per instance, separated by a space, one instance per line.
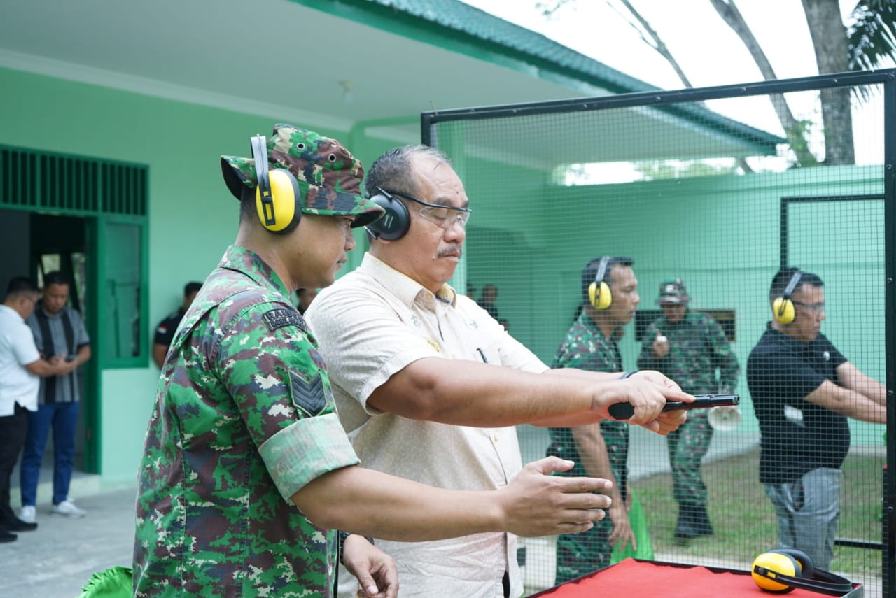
x=57 y=559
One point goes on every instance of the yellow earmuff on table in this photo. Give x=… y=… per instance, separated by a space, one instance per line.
x=784 y=569
x=277 y=195
x=599 y=291
x=768 y=568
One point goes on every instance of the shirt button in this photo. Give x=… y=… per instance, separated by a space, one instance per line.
x=495 y=438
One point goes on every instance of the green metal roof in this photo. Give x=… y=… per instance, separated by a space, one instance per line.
x=466 y=19
x=459 y=27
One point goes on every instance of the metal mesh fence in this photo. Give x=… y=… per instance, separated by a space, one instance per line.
x=708 y=210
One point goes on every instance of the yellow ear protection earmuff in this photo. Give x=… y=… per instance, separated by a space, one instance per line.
x=784 y=569
x=395 y=222
x=783 y=310
x=277 y=195
x=599 y=291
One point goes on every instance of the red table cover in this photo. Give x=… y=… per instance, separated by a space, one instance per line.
x=641 y=579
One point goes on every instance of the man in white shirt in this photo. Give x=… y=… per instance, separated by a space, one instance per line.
x=428 y=385
x=20 y=368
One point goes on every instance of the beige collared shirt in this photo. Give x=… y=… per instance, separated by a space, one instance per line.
x=371 y=324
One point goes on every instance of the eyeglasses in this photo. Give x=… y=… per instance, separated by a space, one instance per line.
x=812 y=307
x=442 y=216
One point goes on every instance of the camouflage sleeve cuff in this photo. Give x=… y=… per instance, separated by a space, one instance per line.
x=306 y=450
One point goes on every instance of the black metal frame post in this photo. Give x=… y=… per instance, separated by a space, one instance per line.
x=889 y=522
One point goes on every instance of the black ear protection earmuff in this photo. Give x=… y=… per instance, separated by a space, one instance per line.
x=783 y=310
x=784 y=569
x=396 y=221
x=599 y=291
x=277 y=195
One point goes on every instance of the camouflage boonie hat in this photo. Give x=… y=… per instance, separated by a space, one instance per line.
x=329 y=176
x=673 y=292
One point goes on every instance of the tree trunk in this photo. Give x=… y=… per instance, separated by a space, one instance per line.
x=793 y=129
x=829 y=38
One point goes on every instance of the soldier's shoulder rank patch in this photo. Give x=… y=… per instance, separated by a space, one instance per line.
x=281 y=317
x=309 y=396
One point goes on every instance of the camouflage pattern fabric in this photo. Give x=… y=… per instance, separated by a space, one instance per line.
x=697 y=349
x=328 y=175
x=585 y=347
x=687 y=445
x=244 y=418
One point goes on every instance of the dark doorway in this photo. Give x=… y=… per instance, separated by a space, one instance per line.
x=34 y=244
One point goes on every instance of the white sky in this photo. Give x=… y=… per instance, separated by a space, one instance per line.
x=708 y=51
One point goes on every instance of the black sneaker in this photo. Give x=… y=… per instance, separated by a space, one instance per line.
x=5 y=536
x=14 y=524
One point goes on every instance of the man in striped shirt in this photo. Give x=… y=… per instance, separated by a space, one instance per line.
x=58 y=331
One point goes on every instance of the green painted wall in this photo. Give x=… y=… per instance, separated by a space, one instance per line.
x=191 y=215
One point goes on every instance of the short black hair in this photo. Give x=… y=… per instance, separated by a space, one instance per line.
x=590 y=271
x=20 y=285
x=784 y=275
x=192 y=287
x=55 y=277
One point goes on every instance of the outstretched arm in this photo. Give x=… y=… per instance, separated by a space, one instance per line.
x=852 y=378
x=375 y=504
x=848 y=402
x=433 y=389
x=646 y=382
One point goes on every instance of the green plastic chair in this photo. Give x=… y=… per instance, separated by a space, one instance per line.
x=114 y=582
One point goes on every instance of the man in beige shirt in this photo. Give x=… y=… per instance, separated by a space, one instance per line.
x=429 y=386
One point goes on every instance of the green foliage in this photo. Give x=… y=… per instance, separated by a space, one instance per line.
x=872 y=36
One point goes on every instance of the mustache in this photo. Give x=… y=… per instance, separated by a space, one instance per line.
x=449 y=252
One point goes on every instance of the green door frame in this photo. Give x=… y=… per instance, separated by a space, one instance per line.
x=101 y=192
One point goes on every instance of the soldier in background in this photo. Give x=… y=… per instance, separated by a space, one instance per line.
x=592 y=344
x=165 y=330
x=689 y=347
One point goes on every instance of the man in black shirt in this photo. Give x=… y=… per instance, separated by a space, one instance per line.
x=804 y=390
x=167 y=327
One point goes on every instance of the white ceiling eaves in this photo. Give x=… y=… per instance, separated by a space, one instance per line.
x=161 y=89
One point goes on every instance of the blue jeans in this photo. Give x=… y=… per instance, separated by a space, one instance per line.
x=808 y=511
x=63 y=417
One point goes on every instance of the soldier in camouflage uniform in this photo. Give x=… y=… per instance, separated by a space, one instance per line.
x=689 y=347
x=245 y=462
x=599 y=450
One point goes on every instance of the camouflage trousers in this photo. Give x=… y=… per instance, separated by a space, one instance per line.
x=581 y=554
x=687 y=445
